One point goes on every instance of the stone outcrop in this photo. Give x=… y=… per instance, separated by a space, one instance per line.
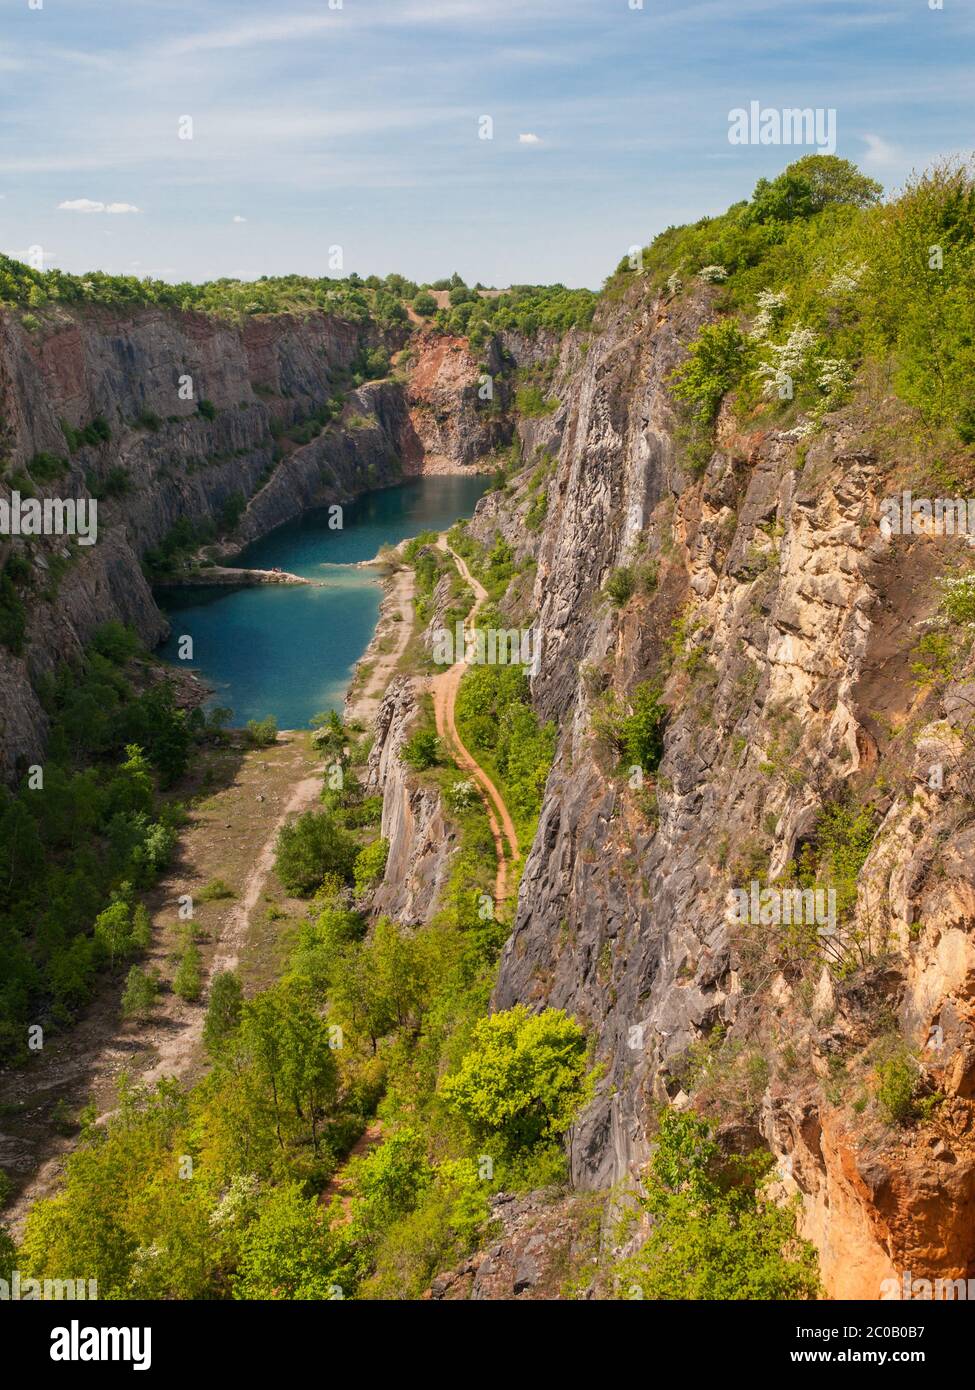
x=544 y=1246
x=454 y=427
x=421 y=841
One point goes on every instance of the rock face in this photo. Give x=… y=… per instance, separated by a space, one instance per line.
x=781 y=628
x=453 y=426
x=544 y=1241
x=780 y=624
x=198 y=411
x=421 y=842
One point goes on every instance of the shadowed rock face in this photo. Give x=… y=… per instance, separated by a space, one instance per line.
x=786 y=686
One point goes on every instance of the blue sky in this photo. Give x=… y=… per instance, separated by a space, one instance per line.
x=358 y=126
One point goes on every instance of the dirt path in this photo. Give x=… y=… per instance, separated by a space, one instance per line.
x=231 y=836
x=337 y=1186
x=364 y=704
x=176 y=1050
x=444 y=690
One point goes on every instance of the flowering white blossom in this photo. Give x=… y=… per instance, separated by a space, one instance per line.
x=236 y=1201
x=674 y=284
x=712 y=274
x=462 y=795
x=834 y=374
x=847 y=280
x=958 y=599
x=788 y=361
x=771 y=303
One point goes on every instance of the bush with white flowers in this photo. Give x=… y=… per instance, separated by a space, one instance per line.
x=771 y=306
x=847 y=281
x=834 y=376
x=958 y=599
x=712 y=274
x=462 y=795
x=788 y=362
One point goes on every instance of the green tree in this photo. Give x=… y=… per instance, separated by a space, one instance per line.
x=370 y=864
x=716 y=361
x=834 y=181
x=390 y=1181
x=188 y=980
x=262 y=733
x=421 y=750
x=113 y=931
x=140 y=993
x=524 y=1078
x=289 y=1252
x=223 y=1011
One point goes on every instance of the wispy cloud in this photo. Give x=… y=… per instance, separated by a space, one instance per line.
x=93 y=205
x=881 y=156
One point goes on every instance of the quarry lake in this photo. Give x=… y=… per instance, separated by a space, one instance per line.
x=289 y=650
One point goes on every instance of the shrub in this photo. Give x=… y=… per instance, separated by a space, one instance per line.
x=13 y=616
x=716 y=362
x=262 y=733
x=714 y=1236
x=376 y=363
x=530 y=402
x=421 y=750
x=44 y=468
x=958 y=599
x=370 y=864
x=897 y=1080
x=620 y=586
x=310 y=848
x=116 y=642
x=223 y=1011
x=216 y=889
x=188 y=980
x=636 y=734
x=425 y=305
x=537 y=512
x=140 y=993
x=288 y=1252
x=207 y=409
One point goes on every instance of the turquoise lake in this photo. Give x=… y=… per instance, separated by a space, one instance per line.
x=289 y=650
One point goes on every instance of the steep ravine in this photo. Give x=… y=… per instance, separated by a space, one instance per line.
x=781 y=625
x=200 y=412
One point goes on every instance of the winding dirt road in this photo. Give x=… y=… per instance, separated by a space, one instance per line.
x=444 y=690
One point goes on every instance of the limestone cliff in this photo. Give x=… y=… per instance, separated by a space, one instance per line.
x=781 y=624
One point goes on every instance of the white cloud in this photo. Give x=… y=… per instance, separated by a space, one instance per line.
x=238 y=218
x=881 y=154
x=92 y=205
x=529 y=139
